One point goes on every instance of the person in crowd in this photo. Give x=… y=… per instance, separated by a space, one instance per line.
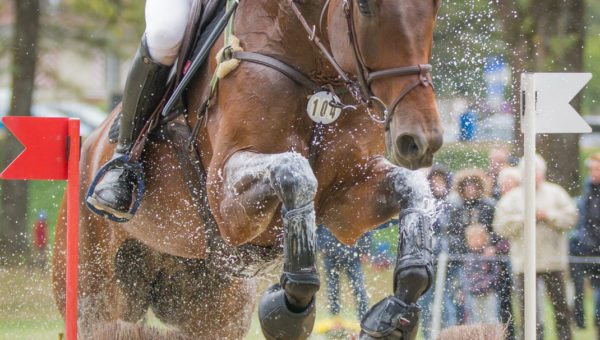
x=337 y=259
x=440 y=181
x=498 y=159
x=577 y=271
x=508 y=179
x=40 y=240
x=482 y=272
x=555 y=215
x=587 y=242
x=471 y=205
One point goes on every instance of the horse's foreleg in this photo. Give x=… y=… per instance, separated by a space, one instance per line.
x=386 y=191
x=286 y=310
x=396 y=317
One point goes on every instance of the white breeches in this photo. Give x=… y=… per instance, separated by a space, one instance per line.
x=165 y=25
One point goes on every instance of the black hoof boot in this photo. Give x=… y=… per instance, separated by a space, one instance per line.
x=397 y=317
x=287 y=310
x=114 y=193
x=277 y=319
x=390 y=319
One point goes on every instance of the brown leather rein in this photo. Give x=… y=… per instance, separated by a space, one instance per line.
x=361 y=91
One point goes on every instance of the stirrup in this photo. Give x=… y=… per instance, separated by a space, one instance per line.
x=121 y=162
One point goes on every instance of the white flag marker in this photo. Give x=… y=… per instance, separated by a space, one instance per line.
x=553 y=93
x=545 y=108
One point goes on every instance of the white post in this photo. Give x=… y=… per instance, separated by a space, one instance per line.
x=440 y=286
x=528 y=104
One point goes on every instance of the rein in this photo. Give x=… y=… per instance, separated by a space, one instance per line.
x=361 y=91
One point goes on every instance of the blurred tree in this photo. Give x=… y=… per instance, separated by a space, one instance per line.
x=547 y=36
x=111 y=28
x=466 y=33
x=96 y=25
x=590 y=102
x=13 y=239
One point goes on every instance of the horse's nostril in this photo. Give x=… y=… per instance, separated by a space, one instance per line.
x=408 y=146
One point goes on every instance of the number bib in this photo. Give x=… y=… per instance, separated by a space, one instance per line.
x=320 y=111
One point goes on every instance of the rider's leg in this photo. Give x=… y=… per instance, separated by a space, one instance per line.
x=144 y=89
x=164 y=33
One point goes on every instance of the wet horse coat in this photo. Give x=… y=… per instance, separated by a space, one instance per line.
x=255 y=146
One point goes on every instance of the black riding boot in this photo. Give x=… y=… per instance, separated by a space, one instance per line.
x=145 y=87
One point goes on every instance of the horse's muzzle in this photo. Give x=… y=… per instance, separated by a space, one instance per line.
x=412 y=150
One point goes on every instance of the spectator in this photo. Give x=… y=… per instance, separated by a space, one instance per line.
x=587 y=242
x=555 y=215
x=40 y=241
x=508 y=179
x=482 y=273
x=337 y=259
x=499 y=159
x=472 y=205
x=440 y=183
x=578 y=273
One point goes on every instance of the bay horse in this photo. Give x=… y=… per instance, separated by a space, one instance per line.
x=272 y=174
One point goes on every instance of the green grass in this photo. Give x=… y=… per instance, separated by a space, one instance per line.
x=457 y=156
x=27 y=309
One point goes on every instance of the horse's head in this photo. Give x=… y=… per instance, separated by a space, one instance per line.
x=391 y=35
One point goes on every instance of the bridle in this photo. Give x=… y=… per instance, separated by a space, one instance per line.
x=361 y=87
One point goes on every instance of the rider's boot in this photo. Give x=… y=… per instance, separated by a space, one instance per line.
x=397 y=317
x=145 y=87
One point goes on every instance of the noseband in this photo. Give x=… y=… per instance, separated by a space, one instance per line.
x=361 y=88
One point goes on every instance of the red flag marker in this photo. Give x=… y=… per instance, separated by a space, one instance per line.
x=45 y=154
x=52 y=152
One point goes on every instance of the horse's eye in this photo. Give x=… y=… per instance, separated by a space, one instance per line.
x=363 y=7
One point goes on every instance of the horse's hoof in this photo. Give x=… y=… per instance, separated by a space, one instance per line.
x=278 y=322
x=390 y=319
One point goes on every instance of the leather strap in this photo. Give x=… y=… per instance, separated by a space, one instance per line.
x=278 y=65
x=315 y=39
x=398 y=72
x=361 y=70
x=360 y=89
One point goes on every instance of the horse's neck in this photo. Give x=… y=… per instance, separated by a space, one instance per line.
x=271 y=27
